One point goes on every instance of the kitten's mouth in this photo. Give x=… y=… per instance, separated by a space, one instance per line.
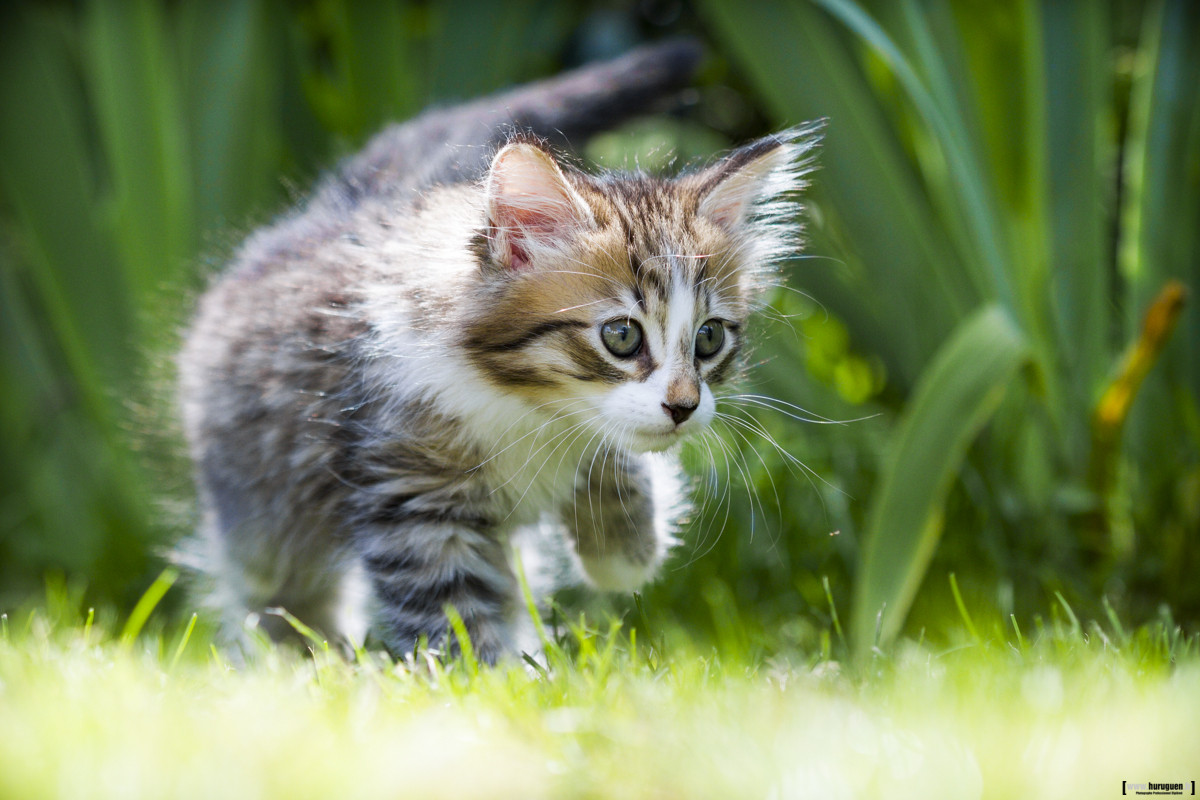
x=653 y=441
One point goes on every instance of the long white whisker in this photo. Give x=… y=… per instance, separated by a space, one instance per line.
x=592 y=303
x=770 y=478
x=751 y=424
x=558 y=437
x=554 y=418
x=765 y=401
x=725 y=500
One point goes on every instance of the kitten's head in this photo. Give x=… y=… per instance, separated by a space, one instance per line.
x=622 y=300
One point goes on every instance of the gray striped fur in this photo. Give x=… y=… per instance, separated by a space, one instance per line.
x=387 y=385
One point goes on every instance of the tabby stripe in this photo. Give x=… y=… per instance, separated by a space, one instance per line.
x=525 y=339
x=508 y=374
x=722 y=370
x=465 y=590
x=653 y=281
x=592 y=366
x=397 y=512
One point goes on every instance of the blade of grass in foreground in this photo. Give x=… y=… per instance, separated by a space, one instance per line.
x=953 y=400
x=145 y=606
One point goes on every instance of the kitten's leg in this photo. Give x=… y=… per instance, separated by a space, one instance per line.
x=418 y=570
x=249 y=572
x=622 y=516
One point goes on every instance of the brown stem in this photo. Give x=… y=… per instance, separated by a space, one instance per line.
x=1112 y=410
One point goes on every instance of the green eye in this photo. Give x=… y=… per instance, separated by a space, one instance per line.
x=709 y=338
x=623 y=338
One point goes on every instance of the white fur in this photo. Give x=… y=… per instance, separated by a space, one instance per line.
x=537 y=454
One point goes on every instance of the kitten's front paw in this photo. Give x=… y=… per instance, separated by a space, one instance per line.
x=616 y=573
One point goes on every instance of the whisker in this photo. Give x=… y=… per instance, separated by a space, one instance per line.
x=755 y=426
x=554 y=418
x=774 y=488
x=585 y=305
x=556 y=438
x=765 y=400
x=725 y=500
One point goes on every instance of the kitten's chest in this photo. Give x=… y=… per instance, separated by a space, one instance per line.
x=535 y=470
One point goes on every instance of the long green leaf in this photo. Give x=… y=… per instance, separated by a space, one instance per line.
x=230 y=59
x=50 y=185
x=1077 y=162
x=971 y=190
x=804 y=66
x=1162 y=217
x=955 y=397
x=134 y=86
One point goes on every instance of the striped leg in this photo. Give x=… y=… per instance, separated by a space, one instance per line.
x=417 y=571
x=612 y=521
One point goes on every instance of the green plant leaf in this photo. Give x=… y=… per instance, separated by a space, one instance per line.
x=954 y=398
x=1070 y=288
x=230 y=68
x=134 y=85
x=988 y=266
x=1162 y=213
x=802 y=63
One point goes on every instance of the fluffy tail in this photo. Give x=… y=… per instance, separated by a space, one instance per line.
x=598 y=97
x=453 y=144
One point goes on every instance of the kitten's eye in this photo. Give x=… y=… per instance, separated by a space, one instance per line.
x=709 y=338
x=622 y=338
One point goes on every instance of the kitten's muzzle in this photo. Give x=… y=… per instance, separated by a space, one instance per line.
x=679 y=412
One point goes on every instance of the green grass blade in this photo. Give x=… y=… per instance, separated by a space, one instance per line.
x=837 y=623
x=146 y=605
x=962 y=608
x=530 y=603
x=316 y=641
x=183 y=641
x=956 y=396
x=465 y=648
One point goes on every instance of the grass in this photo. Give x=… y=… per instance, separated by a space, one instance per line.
x=1005 y=190
x=1057 y=709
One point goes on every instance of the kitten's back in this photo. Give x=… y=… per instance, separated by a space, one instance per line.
x=449 y=145
x=271 y=384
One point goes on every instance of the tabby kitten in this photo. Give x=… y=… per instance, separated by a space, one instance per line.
x=460 y=337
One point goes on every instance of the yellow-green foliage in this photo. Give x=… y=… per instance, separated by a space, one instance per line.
x=1049 y=713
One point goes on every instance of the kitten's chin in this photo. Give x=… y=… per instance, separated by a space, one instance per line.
x=654 y=441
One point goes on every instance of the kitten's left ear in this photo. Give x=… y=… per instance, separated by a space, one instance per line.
x=755 y=181
x=530 y=204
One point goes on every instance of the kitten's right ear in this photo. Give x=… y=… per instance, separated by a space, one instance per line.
x=530 y=205
x=755 y=181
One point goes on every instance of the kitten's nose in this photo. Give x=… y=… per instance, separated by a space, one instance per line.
x=678 y=411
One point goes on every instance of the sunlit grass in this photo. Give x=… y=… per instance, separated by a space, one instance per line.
x=1056 y=709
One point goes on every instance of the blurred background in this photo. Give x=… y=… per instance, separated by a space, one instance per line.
x=999 y=289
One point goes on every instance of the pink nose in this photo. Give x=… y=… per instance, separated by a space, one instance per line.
x=678 y=411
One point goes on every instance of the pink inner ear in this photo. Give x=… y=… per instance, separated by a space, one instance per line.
x=530 y=204
x=729 y=203
x=521 y=225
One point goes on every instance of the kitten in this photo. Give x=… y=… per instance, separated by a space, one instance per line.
x=459 y=337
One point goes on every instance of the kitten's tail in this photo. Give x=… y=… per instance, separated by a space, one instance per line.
x=599 y=97
x=448 y=145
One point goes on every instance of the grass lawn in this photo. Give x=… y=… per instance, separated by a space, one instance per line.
x=1059 y=711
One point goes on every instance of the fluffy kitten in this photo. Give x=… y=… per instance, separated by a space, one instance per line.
x=458 y=337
